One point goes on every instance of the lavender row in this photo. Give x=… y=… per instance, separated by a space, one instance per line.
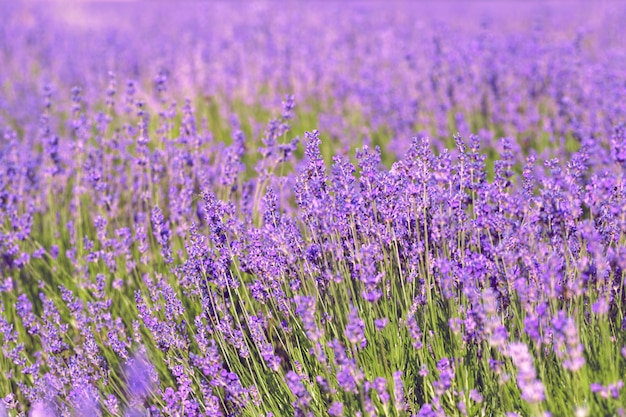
x=165 y=250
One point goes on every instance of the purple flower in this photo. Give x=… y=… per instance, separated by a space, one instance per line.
x=265 y=348
x=349 y=376
x=138 y=371
x=380 y=385
x=305 y=309
x=600 y=307
x=476 y=396
x=336 y=409
x=415 y=332
x=42 y=409
x=381 y=323
x=427 y=411
x=566 y=342
x=446 y=375
x=303 y=398
x=527 y=381
x=86 y=404
x=398 y=391
x=355 y=329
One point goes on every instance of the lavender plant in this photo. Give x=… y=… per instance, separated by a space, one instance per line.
x=278 y=212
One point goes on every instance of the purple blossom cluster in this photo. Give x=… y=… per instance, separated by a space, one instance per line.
x=451 y=241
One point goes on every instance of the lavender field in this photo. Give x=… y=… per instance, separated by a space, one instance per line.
x=312 y=209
